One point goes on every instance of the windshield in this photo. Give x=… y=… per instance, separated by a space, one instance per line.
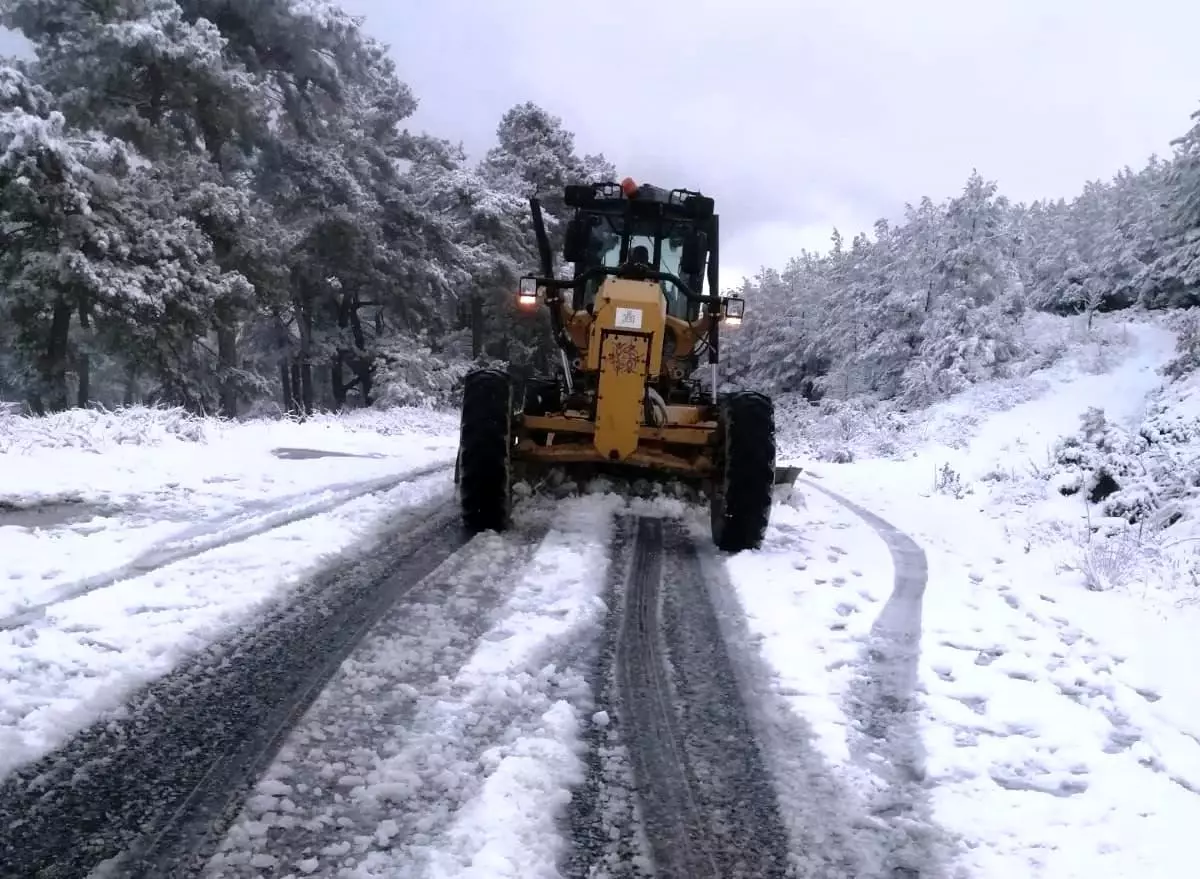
x=606 y=250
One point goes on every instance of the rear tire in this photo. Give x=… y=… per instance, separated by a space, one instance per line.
x=484 y=447
x=745 y=481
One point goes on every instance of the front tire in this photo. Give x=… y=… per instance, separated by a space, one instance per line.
x=745 y=480
x=485 y=444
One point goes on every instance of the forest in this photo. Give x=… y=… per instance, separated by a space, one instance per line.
x=218 y=206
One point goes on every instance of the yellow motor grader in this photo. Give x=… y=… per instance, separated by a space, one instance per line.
x=631 y=326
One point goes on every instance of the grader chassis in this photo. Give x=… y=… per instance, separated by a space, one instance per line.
x=630 y=326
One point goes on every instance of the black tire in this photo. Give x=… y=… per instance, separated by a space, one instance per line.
x=484 y=447
x=745 y=481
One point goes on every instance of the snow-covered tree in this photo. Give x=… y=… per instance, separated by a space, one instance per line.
x=1173 y=280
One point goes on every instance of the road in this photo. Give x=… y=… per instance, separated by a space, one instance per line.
x=683 y=770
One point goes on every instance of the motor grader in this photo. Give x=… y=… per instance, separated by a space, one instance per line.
x=631 y=326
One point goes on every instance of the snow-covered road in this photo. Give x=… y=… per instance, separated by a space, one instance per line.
x=130 y=542
x=590 y=705
x=574 y=692
x=144 y=778
x=447 y=743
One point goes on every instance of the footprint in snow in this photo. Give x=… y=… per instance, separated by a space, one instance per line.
x=1018 y=674
x=1036 y=779
x=989 y=655
x=978 y=704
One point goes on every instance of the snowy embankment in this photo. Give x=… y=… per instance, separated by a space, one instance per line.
x=1059 y=724
x=129 y=540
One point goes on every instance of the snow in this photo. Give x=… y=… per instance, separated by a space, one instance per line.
x=1060 y=727
x=998 y=718
x=131 y=540
x=833 y=583
x=474 y=780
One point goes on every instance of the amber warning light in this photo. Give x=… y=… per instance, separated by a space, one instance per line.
x=527 y=293
x=629 y=187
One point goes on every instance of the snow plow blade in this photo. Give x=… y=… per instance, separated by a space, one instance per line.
x=786 y=475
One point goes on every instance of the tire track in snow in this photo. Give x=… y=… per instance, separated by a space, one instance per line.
x=884 y=738
x=162 y=772
x=700 y=789
x=447 y=742
x=201 y=538
x=339 y=784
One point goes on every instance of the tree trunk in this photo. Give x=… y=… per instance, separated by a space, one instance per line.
x=306 y=388
x=84 y=368
x=476 y=326
x=130 y=385
x=54 y=360
x=337 y=381
x=294 y=400
x=285 y=384
x=362 y=363
x=304 y=321
x=227 y=363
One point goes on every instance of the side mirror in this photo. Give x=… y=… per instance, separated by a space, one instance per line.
x=691 y=261
x=576 y=240
x=733 y=309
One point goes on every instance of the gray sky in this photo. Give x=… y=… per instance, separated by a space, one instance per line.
x=798 y=115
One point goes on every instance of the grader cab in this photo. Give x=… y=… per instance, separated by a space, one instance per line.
x=632 y=326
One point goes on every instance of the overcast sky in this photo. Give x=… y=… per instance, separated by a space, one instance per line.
x=798 y=115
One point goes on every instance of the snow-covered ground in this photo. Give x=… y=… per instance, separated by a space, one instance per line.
x=449 y=741
x=130 y=540
x=1054 y=729
x=1061 y=726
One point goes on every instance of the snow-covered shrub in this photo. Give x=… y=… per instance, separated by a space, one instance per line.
x=1113 y=561
x=95 y=429
x=410 y=374
x=840 y=431
x=1170 y=433
x=1104 y=463
x=1092 y=345
x=1186 y=325
x=948 y=481
x=392 y=421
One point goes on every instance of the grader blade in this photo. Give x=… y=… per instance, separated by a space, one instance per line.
x=787 y=475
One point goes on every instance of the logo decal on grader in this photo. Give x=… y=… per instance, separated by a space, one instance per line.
x=626 y=354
